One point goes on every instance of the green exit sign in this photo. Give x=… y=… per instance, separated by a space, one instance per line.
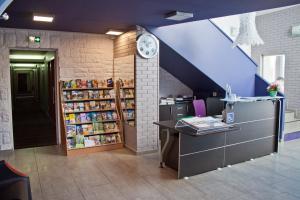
x=35 y=39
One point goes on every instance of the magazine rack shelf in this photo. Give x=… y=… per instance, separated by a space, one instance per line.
x=90 y=118
x=125 y=95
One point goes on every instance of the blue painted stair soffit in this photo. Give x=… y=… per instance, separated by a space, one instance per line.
x=179 y=67
x=206 y=48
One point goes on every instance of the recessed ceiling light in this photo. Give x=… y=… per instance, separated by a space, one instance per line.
x=26 y=57
x=43 y=18
x=23 y=65
x=179 y=16
x=114 y=32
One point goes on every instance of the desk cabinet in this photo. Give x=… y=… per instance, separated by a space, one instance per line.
x=176 y=111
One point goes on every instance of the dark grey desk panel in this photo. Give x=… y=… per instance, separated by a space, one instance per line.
x=172 y=151
x=251 y=131
x=198 y=163
x=192 y=144
x=245 y=151
x=249 y=111
x=164 y=112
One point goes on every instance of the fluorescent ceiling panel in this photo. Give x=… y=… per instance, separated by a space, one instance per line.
x=114 y=32
x=24 y=65
x=41 y=18
x=26 y=57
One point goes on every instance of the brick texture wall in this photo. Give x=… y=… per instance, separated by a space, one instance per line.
x=85 y=56
x=147 y=86
x=124 y=67
x=275 y=30
x=125 y=44
x=169 y=85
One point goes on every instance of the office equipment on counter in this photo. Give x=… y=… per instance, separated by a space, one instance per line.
x=167 y=101
x=200 y=108
x=176 y=111
x=183 y=99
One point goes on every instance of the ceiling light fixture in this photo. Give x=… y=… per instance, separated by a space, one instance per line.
x=4 y=16
x=43 y=18
x=23 y=65
x=179 y=16
x=26 y=57
x=248 y=34
x=114 y=32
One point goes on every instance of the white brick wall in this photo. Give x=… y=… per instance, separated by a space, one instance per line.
x=147 y=86
x=124 y=67
x=85 y=56
x=80 y=55
x=275 y=29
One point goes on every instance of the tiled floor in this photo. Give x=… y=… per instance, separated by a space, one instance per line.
x=121 y=175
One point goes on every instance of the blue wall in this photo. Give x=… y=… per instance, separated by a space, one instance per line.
x=206 y=48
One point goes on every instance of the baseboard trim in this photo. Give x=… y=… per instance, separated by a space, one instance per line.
x=291 y=136
x=140 y=152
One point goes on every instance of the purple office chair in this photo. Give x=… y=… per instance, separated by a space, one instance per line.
x=199 y=106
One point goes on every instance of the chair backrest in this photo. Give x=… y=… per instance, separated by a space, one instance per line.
x=199 y=106
x=214 y=106
x=13 y=184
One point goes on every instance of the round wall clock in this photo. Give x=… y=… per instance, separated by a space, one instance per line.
x=147 y=45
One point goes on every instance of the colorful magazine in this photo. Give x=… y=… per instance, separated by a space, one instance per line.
x=81 y=106
x=71 y=130
x=72 y=118
x=83 y=83
x=78 y=83
x=98 y=127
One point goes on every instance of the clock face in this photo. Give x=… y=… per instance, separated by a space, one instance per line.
x=147 y=46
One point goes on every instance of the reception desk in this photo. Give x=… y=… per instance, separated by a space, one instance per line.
x=253 y=132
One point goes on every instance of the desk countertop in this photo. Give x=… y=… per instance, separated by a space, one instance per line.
x=252 y=99
x=170 y=124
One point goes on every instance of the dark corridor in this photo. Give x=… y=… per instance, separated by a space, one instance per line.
x=32 y=127
x=33 y=80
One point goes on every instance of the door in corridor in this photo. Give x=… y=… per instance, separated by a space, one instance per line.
x=33 y=98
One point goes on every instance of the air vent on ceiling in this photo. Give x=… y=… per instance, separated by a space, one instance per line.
x=179 y=16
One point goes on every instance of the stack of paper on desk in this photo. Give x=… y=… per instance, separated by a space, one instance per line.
x=204 y=123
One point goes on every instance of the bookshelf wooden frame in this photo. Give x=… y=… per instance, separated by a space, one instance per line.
x=97 y=148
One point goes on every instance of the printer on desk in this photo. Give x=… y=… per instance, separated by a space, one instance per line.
x=176 y=108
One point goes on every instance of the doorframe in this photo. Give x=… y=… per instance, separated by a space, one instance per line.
x=56 y=88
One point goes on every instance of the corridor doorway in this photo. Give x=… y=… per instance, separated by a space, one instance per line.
x=272 y=69
x=33 y=98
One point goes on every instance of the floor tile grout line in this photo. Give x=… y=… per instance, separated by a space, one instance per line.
x=99 y=163
x=38 y=172
x=111 y=182
x=78 y=186
x=156 y=189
